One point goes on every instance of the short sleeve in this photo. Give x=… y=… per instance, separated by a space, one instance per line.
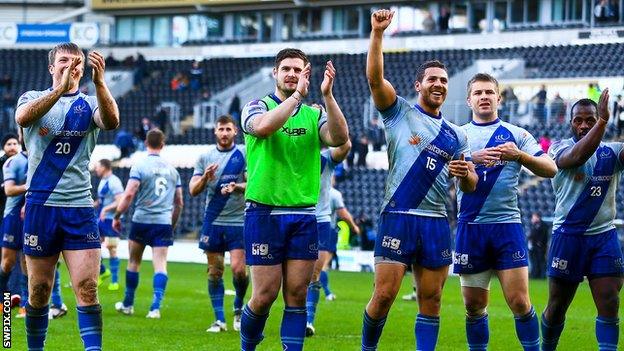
x=29 y=96
x=135 y=172
x=557 y=148
x=617 y=149
x=200 y=166
x=9 y=171
x=528 y=144
x=464 y=145
x=336 y=200
x=92 y=101
x=395 y=112
x=322 y=119
x=178 y=179
x=116 y=187
x=251 y=110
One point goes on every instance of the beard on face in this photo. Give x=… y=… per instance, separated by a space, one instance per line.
x=283 y=87
x=427 y=98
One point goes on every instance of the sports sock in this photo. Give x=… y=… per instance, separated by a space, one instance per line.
x=240 y=286
x=36 y=326
x=550 y=334
x=114 y=267
x=426 y=329
x=90 y=325
x=160 y=284
x=57 y=299
x=607 y=333
x=314 y=291
x=371 y=332
x=216 y=292
x=527 y=330
x=325 y=283
x=293 y=328
x=132 y=281
x=477 y=332
x=252 y=325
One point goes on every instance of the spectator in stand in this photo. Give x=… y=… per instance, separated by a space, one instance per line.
x=124 y=142
x=557 y=109
x=604 y=12
x=539 y=111
x=196 y=73
x=367 y=239
x=146 y=126
x=593 y=92
x=6 y=83
x=111 y=61
x=7 y=114
x=361 y=148
x=235 y=108
x=538 y=245
x=140 y=69
x=511 y=101
x=428 y=23
x=162 y=119
x=179 y=82
x=545 y=142
x=376 y=134
x=443 y=19
x=10 y=146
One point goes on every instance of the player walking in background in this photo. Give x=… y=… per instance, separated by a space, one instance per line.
x=283 y=139
x=222 y=171
x=60 y=127
x=330 y=158
x=584 y=240
x=14 y=174
x=490 y=238
x=158 y=191
x=109 y=192
x=424 y=150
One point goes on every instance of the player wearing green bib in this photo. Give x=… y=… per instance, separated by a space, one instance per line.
x=283 y=139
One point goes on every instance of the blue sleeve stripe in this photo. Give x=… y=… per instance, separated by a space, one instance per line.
x=7 y=179
x=396 y=101
x=197 y=174
x=178 y=185
x=539 y=153
x=137 y=178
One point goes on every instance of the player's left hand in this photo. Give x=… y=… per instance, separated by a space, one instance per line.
x=96 y=61
x=228 y=188
x=603 y=106
x=117 y=225
x=328 y=79
x=459 y=168
x=509 y=151
x=357 y=230
x=102 y=215
x=23 y=213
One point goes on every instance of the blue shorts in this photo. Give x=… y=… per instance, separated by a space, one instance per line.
x=154 y=235
x=328 y=238
x=49 y=230
x=13 y=231
x=480 y=247
x=273 y=239
x=106 y=228
x=409 y=239
x=572 y=257
x=221 y=238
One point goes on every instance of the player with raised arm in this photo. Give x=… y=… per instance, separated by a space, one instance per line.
x=424 y=149
x=283 y=139
x=60 y=127
x=109 y=193
x=584 y=241
x=158 y=191
x=490 y=238
x=330 y=158
x=221 y=171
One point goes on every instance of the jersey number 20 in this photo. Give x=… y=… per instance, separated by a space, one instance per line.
x=63 y=148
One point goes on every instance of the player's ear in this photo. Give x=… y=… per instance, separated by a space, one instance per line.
x=51 y=69
x=275 y=73
x=417 y=86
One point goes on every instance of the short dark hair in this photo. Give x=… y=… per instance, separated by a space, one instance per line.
x=155 y=138
x=481 y=77
x=106 y=163
x=9 y=136
x=583 y=102
x=290 y=53
x=420 y=73
x=66 y=47
x=225 y=119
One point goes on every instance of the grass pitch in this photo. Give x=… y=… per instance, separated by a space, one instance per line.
x=186 y=313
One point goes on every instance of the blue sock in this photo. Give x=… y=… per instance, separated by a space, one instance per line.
x=90 y=325
x=607 y=333
x=477 y=332
x=325 y=283
x=293 y=328
x=4 y=280
x=216 y=292
x=527 y=330
x=57 y=300
x=159 y=284
x=36 y=326
x=132 y=281
x=114 y=267
x=102 y=267
x=371 y=332
x=426 y=329
x=240 y=285
x=24 y=290
x=314 y=292
x=252 y=326
x=550 y=335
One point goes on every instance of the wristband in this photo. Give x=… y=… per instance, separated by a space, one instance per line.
x=296 y=98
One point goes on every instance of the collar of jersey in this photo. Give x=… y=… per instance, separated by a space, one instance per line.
x=66 y=95
x=439 y=116
x=226 y=150
x=276 y=99
x=153 y=155
x=497 y=120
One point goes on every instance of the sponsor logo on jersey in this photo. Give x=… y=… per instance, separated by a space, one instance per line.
x=518 y=255
x=605 y=153
x=294 y=131
x=558 y=263
x=502 y=138
x=460 y=259
x=8 y=238
x=71 y=133
x=43 y=131
x=261 y=250
x=390 y=242
x=579 y=177
x=446 y=253
x=415 y=140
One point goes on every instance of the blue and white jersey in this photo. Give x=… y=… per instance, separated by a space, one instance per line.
x=496 y=197
x=323 y=208
x=224 y=209
x=585 y=196
x=336 y=203
x=59 y=148
x=108 y=188
x=15 y=169
x=420 y=146
x=159 y=181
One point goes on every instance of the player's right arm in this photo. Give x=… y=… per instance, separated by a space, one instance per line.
x=578 y=154
x=178 y=204
x=11 y=189
x=126 y=199
x=383 y=92
x=29 y=112
x=198 y=182
x=339 y=153
x=259 y=122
